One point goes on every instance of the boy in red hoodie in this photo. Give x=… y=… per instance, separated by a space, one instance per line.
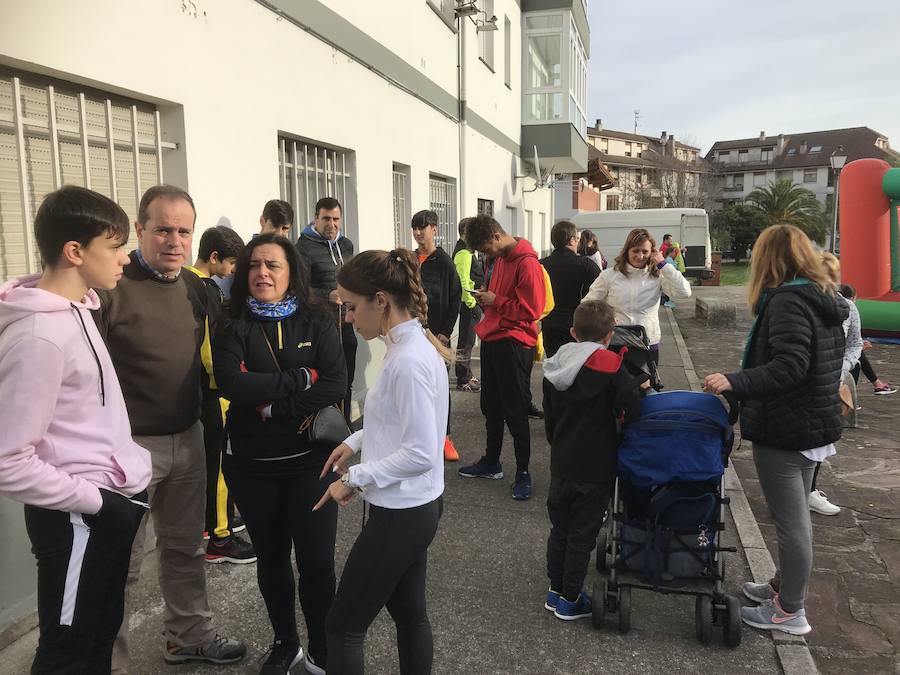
x=513 y=300
x=66 y=448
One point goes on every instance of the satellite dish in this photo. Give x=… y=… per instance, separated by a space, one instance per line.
x=540 y=180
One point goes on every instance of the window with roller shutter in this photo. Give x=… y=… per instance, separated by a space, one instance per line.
x=55 y=133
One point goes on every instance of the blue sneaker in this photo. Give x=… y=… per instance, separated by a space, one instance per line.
x=569 y=611
x=521 y=489
x=482 y=469
x=552 y=599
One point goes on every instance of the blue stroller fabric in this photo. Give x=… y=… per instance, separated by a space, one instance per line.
x=680 y=436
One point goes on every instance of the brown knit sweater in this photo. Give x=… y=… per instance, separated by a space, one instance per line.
x=153 y=330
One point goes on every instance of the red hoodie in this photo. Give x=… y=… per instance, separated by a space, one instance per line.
x=518 y=282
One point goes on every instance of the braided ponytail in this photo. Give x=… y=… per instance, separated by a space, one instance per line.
x=418 y=300
x=395 y=273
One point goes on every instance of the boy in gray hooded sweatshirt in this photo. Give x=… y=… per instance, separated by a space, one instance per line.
x=587 y=395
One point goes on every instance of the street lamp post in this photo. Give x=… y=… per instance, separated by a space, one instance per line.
x=838 y=159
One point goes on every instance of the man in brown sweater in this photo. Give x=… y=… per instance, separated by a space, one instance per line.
x=153 y=323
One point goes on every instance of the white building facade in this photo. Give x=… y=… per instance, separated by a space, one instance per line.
x=391 y=108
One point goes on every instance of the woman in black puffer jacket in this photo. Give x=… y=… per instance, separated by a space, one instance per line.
x=788 y=384
x=278 y=361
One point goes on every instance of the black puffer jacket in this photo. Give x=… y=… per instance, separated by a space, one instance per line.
x=792 y=370
x=324 y=258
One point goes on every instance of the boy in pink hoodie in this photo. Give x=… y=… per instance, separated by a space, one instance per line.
x=66 y=450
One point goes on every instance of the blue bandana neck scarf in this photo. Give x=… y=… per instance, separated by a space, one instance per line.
x=152 y=272
x=272 y=311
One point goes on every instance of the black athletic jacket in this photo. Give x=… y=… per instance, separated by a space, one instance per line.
x=248 y=377
x=792 y=370
x=441 y=284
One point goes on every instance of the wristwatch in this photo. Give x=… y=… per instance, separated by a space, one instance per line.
x=345 y=479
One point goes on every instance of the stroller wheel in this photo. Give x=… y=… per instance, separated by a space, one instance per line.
x=703 y=618
x=731 y=630
x=601 y=552
x=624 y=609
x=598 y=604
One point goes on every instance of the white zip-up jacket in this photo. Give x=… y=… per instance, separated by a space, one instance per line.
x=402 y=440
x=635 y=296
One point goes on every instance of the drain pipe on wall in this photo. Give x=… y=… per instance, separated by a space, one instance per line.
x=462 y=126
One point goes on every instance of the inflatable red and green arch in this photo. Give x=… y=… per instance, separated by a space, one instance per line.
x=870 y=243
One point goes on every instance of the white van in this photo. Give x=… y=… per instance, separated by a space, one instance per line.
x=689 y=227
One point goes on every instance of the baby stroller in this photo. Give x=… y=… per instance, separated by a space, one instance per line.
x=638 y=358
x=668 y=512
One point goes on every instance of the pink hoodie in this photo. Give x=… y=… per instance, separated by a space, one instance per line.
x=64 y=430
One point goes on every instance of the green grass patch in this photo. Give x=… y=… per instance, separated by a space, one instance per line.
x=735 y=273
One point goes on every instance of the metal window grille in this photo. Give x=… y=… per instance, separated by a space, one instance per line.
x=442 y=200
x=401 y=208
x=486 y=206
x=307 y=172
x=54 y=135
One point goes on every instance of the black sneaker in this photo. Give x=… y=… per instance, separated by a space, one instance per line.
x=521 y=489
x=482 y=469
x=231 y=550
x=238 y=525
x=535 y=413
x=220 y=650
x=282 y=657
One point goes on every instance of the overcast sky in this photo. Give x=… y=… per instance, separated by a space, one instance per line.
x=710 y=70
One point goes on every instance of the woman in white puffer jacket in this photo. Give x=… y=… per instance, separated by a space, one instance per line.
x=633 y=285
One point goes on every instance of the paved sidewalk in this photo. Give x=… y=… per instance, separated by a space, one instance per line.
x=486 y=587
x=854 y=597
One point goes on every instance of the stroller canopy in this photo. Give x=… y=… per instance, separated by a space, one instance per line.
x=681 y=436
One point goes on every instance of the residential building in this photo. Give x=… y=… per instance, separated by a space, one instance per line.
x=745 y=164
x=581 y=192
x=240 y=101
x=650 y=172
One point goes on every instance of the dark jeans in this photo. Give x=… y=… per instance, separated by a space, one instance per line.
x=554 y=338
x=278 y=513
x=219 y=504
x=505 y=396
x=386 y=567
x=466 y=341
x=82 y=565
x=576 y=515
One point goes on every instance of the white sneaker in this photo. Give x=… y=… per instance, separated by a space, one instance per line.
x=819 y=503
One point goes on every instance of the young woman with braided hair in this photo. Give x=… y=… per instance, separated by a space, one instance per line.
x=401 y=474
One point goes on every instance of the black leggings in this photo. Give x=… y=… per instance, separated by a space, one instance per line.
x=386 y=566
x=866 y=367
x=278 y=512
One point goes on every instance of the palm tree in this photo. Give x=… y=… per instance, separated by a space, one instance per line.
x=782 y=202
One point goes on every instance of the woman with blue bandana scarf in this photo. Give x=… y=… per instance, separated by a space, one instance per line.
x=279 y=361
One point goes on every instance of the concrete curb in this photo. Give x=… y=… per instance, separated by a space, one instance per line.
x=793 y=652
